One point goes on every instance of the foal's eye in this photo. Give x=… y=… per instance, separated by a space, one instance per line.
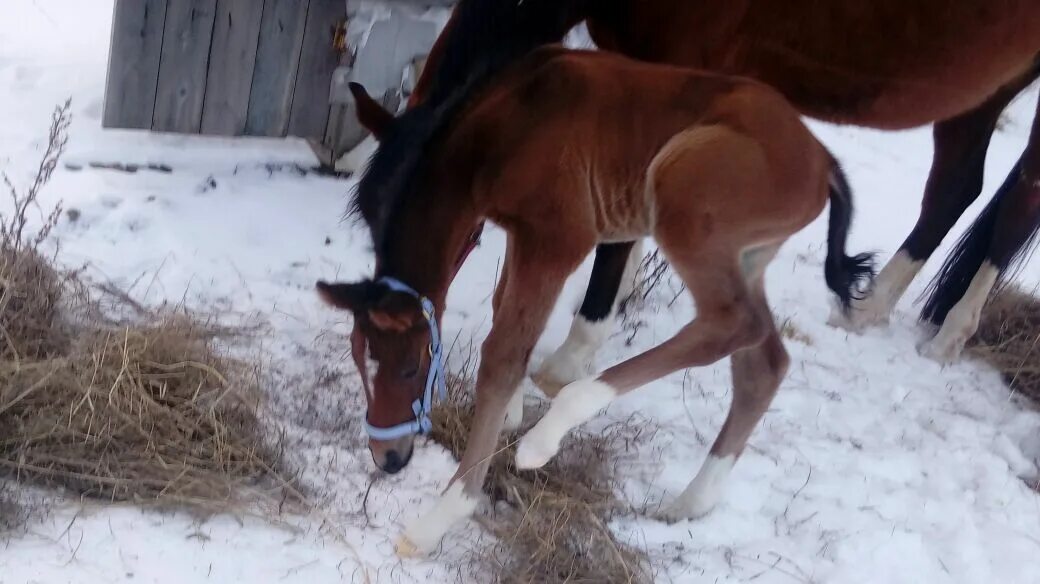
x=410 y=373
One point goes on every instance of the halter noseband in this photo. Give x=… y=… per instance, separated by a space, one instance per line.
x=422 y=424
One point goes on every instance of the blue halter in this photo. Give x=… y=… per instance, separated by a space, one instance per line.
x=422 y=424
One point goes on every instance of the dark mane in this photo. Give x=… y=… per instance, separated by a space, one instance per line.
x=486 y=37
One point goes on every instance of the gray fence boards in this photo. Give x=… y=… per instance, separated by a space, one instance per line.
x=182 y=66
x=137 y=29
x=258 y=67
x=277 y=60
x=236 y=32
x=318 y=59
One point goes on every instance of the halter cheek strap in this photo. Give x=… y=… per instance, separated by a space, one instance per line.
x=422 y=424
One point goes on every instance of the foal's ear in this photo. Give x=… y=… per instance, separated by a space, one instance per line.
x=388 y=311
x=353 y=297
x=370 y=114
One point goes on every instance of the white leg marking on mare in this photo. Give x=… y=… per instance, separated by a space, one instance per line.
x=422 y=535
x=576 y=403
x=575 y=358
x=703 y=492
x=514 y=411
x=963 y=319
x=875 y=308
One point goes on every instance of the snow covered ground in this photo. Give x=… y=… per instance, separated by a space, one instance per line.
x=874 y=465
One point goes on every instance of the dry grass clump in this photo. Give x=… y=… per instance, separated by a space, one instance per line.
x=1009 y=339
x=143 y=409
x=11 y=514
x=554 y=524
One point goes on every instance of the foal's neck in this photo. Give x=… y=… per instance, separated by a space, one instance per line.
x=425 y=242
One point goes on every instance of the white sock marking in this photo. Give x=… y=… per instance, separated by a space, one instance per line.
x=424 y=533
x=889 y=287
x=575 y=404
x=514 y=411
x=963 y=319
x=574 y=359
x=704 y=491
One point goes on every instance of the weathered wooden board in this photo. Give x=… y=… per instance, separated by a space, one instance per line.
x=182 y=66
x=277 y=60
x=318 y=58
x=236 y=30
x=133 y=63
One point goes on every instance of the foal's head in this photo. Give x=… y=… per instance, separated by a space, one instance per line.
x=395 y=341
x=391 y=346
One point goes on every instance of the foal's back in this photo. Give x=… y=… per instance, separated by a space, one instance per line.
x=607 y=127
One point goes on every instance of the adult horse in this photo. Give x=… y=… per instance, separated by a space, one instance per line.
x=887 y=64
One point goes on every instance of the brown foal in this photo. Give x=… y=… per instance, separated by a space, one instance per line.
x=567 y=150
x=883 y=64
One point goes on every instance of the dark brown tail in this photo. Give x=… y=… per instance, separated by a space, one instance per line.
x=846 y=275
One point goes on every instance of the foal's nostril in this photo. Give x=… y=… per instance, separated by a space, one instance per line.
x=393 y=462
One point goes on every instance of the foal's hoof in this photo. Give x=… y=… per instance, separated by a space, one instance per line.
x=405 y=548
x=415 y=543
x=419 y=539
x=535 y=450
x=681 y=510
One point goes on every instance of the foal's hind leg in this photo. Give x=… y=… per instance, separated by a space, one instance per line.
x=727 y=320
x=757 y=372
x=611 y=282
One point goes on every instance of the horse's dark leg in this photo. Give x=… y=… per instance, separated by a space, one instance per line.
x=611 y=281
x=1003 y=233
x=954 y=183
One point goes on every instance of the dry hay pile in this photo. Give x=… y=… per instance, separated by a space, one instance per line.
x=143 y=409
x=11 y=513
x=555 y=524
x=1009 y=339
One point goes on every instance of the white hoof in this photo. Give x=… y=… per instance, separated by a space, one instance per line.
x=514 y=412
x=423 y=534
x=704 y=491
x=862 y=314
x=550 y=380
x=681 y=510
x=535 y=450
x=574 y=359
x=405 y=548
x=941 y=349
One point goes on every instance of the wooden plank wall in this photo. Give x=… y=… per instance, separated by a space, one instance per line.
x=182 y=66
x=318 y=58
x=277 y=60
x=236 y=31
x=237 y=67
x=133 y=65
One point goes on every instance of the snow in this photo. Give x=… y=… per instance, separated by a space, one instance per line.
x=873 y=465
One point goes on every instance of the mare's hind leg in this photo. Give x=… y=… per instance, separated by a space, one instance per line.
x=611 y=282
x=954 y=183
x=757 y=372
x=1002 y=233
x=727 y=320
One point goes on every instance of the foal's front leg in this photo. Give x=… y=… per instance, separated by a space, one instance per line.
x=523 y=304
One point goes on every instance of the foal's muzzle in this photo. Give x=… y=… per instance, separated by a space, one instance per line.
x=393 y=456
